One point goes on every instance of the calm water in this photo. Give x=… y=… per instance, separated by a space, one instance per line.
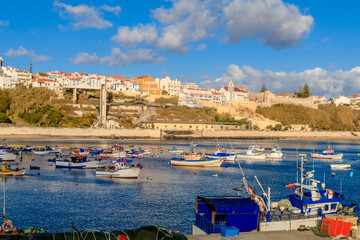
x=162 y=195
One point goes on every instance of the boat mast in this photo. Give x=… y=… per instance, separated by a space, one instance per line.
x=4 y=200
x=302 y=174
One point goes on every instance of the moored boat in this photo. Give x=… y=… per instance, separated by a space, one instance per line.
x=251 y=154
x=120 y=170
x=328 y=153
x=340 y=166
x=206 y=162
x=175 y=150
x=276 y=154
x=306 y=206
x=6 y=171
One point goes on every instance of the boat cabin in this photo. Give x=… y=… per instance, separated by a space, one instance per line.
x=213 y=213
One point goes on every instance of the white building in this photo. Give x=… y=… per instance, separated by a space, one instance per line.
x=355 y=99
x=205 y=95
x=172 y=87
x=7 y=82
x=341 y=100
x=46 y=83
x=320 y=100
x=232 y=93
x=189 y=85
x=188 y=100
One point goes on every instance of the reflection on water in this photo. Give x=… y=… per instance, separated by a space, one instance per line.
x=162 y=194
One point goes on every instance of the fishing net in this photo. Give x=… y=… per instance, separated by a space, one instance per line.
x=144 y=233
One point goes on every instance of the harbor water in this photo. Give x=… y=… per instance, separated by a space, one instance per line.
x=162 y=195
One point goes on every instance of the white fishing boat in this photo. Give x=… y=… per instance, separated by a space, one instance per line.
x=206 y=162
x=276 y=154
x=251 y=154
x=120 y=170
x=116 y=151
x=340 y=166
x=328 y=153
x=5 y=155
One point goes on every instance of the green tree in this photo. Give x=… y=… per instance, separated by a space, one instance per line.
x=263 y=88
x=306 y=91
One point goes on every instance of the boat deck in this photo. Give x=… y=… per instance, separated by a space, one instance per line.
x=255 y=235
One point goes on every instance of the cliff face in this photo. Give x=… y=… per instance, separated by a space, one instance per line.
x=267 y=99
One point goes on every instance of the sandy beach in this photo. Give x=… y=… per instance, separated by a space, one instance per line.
x=63 y=134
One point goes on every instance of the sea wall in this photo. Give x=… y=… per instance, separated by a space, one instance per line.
x=87 y=133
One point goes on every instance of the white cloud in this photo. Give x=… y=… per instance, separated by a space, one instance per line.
x=134 y=56
x=187 y=22
x=115 y=10
x=273 y=22
x=86 y=58
x=4 y=23
x=24 y=52
x=141 y=34
x=201 y=46
x=17 y=53
x=119 y=58
x=320 y=81
x=84 y=16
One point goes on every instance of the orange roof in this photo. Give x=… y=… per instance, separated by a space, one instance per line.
x=45 y=80
x=355 y=96
x=117 y=77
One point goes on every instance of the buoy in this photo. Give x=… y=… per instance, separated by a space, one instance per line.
x=351 y=174
x=76 y=183
x=333 y=174
x=290 y=185
x=61 y=180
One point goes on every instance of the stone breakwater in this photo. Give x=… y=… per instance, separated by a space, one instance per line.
x=24 y=133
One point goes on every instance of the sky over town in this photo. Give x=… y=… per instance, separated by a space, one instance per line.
x=283 y=44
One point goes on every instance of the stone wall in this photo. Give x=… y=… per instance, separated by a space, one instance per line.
x=267 y=99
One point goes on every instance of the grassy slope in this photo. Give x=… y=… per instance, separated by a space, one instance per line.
x=327 y=117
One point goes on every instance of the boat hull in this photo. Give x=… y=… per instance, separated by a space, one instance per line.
x=251 y=157
x=121 y=173
x=340 y=166
x=197 y=163
x=13 y=173
x=69 y=164
x=323 y=156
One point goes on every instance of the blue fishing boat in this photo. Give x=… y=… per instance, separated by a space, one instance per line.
x=175 y=150
x=306 y=206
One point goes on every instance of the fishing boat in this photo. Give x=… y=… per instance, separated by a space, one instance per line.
x=328 y=153
x=116 y=151
x=223 y=153
x=6 y=155
x=120 y=170
x=251 y=211
x=79 y=161
x=251 y=154
x=6 y=171
x=206 y=162
x=134 y=153
x=175 y=150
x=340 y=166
x=276 y=154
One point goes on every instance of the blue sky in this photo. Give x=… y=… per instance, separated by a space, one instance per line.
x=283 y=44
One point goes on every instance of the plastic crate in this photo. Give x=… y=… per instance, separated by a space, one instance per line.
x=229 y=231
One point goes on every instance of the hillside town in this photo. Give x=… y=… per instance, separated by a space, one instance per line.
x=188 y=93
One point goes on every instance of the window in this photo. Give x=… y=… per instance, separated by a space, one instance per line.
x=326 y=207
x=333 y=206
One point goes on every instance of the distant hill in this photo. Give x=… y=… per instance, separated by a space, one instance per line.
x=326 y=117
